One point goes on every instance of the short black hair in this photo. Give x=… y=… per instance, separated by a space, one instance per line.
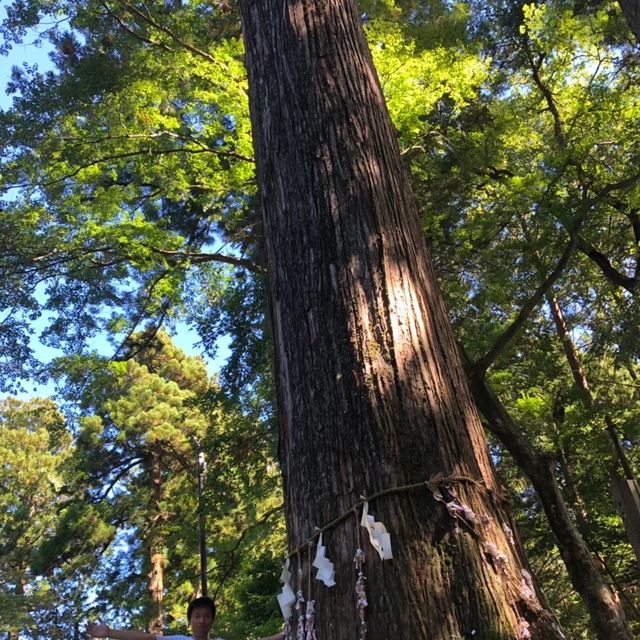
x=203 y=602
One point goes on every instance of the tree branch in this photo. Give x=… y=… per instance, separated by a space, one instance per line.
x=614 y=276
x=135 y=34
x=483 y=363
x=232 y=552
x=197 y=258
x=134 y=463
x=118 y=156
x=146 y=17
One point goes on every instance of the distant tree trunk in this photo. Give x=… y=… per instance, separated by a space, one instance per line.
x=631 y=11
x=606 y=614
x=156 y=554
x=14 y=634
x=580 y=379
x=371 y=391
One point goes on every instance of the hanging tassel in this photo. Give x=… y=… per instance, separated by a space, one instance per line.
x=300 y=633
x=311 y=620
x=301 y=617
x=287 y=633
x=524 y=630
x=361 y=594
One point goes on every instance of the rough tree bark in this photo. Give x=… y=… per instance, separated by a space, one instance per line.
x=371 y=390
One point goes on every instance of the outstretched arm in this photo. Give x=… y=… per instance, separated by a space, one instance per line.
x=102 y=631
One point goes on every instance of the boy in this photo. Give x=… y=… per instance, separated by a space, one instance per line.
x=201 y=613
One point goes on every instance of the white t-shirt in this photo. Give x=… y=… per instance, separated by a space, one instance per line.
x=179 y=638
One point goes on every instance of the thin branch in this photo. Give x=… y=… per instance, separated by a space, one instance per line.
x=83 y=142
x=483 y=363
x=146 y=17
x=614 y=276
x=624 y=183
x=546 y=93
x=232 y=552
x=198 y=258
x=136 y=321
x=118 y=156
x=134 y=463
x=135 y=34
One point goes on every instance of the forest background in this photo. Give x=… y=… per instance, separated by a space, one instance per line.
x=129 y=210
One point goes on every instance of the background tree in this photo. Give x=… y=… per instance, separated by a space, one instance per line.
x=138 y=447
x=36 y=448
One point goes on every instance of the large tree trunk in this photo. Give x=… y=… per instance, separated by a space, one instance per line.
x=371 y=391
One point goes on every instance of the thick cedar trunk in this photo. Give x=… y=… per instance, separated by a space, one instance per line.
x=371 y=391
x=606 y=614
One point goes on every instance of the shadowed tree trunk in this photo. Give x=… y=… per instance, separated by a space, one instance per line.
x=631 y=11
x=371 y=392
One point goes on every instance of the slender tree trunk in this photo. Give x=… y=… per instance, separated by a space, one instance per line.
x=582 y=383
x=562 y=329
x=606 y=614
x=371 y=391
x=156 y=555
x=582 y=516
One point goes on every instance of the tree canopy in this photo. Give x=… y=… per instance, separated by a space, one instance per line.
x=129 y=205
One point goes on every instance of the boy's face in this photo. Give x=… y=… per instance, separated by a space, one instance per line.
x=201 y=621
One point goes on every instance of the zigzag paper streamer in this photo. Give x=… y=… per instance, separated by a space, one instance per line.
x=380 y=539
x=324 y=565
x=287 y=597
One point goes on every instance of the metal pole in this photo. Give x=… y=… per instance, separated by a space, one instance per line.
x=202 y=467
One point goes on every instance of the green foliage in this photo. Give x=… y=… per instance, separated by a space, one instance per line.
x=129 y=203
x=36 y=449
x=162 y=408
x=119 y=184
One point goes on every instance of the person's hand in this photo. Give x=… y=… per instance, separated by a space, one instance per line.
x=97 y=630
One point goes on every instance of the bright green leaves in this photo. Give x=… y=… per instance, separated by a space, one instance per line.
x=36 y=451
x=129 y=157
x=414 y=80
